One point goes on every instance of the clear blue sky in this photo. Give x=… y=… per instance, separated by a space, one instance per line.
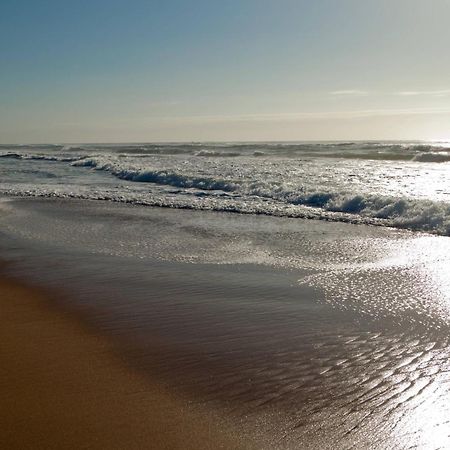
x=87 y=71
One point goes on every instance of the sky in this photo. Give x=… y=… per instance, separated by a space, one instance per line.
x=223 y=70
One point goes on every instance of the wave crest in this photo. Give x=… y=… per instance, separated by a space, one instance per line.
x=21 y=156
x=437 y=157
x=163 y=177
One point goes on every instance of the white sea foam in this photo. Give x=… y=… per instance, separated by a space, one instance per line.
x=404 y=186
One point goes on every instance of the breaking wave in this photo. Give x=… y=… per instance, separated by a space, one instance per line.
x=163 y=177
x=282 y=179
x=414 y=214
x=444 y=156
x=408 y=214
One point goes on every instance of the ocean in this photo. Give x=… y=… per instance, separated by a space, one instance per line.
x=297 y=292
x=394 y=184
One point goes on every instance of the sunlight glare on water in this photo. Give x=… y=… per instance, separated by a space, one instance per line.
x=423 y=421
x=405 y=280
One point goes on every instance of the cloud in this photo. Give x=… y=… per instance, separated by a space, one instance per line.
x=360 y=93
x=350 y=92
x=437 y=93
x=300 y=116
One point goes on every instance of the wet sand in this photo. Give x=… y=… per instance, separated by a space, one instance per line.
x=62 y=386
x=297 y=334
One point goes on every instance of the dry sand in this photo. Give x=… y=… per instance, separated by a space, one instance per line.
x=62 y=386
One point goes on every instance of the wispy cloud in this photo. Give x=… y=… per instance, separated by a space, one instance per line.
x=350 y=92
x=300 y=116
x=437 y=93
x=360 y=93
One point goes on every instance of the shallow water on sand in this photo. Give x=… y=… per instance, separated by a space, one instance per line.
x=300 y=333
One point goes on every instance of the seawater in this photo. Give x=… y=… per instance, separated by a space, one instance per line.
x=396 y=184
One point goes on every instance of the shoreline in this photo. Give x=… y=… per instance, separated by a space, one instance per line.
x=64 y=387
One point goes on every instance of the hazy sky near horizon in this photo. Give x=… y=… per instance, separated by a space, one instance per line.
x=135 y=70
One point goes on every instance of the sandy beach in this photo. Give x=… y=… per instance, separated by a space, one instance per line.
x=63 y=387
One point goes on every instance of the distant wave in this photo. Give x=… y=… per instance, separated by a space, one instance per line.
x=11 y=155
x=397 y=151
x=210 y=153
x=444 y=156
x=30 y=147
x=38 y=157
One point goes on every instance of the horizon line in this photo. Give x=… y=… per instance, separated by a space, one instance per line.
x=293 y=141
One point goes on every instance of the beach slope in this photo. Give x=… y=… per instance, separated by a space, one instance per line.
x=62 y=386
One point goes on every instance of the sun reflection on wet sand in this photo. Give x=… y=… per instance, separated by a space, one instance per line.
x=399 y=390
x=405 y=280
x=426 y=422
